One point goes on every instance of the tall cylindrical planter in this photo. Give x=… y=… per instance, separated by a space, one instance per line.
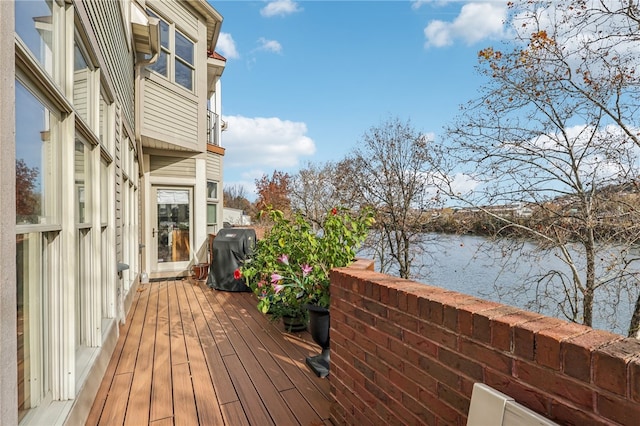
x=319 y=324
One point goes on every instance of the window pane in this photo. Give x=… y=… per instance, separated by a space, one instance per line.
x=35 y=24
x=212 y=189
x=212 y=215
x=164 y=34
x=81 y=85
x=80 y=176
x=31 y=306
x=184 y=48
x=104 y=122
x=37 y=138
x=184 y=75
x=160 y=66
x=104 y=192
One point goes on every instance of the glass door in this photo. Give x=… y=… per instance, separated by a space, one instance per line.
x=171 y=228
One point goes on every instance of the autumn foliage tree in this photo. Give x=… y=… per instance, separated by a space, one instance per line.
x=273 y=192
x=27 y=201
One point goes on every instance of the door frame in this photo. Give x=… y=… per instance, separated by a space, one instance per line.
x=156 y=266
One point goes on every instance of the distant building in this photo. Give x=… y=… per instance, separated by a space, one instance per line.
x=115 y=168
x=236 y=217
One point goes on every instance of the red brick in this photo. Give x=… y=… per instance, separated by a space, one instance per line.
x=402 y=382
x=482 y=322
x=389 y=328
x=450 y=318
x=442 y=410
x=403 y=320
x=389 y=358
x=525 y=333
x=465 y=314
x=576 y=353
x=618 y=410
x=565 y=415
x=420 y=343
x=460 y=363
x=610 y=365
x=376 y=364
x=438 y=335
x=526 y=395
x=377 y=336
x=439 y=371
x=548 y=343
x=454 y=399
x=634 y=377
x=375 y=307
x=402 y=415
x=421 y=411
x=420 y=377
x=412 y=304
x=486 y=356
x=554 y=384
x=502 y=328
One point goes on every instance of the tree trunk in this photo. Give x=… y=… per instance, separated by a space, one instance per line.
x=634 y=326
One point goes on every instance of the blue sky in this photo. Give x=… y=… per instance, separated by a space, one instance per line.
x=305 y=79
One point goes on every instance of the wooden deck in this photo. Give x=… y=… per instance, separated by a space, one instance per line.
x=189 y=355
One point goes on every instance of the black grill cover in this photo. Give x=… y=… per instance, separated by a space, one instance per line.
x=230 y=248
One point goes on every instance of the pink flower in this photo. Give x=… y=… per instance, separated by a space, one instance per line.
x=277 y=288
x=284 y=259
x=306 y=269
x=260 y=284
x=275 y=278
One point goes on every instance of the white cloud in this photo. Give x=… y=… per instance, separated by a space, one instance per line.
x=227 y=47
x=269 y=45
x=475 y=22
x=265 y=143
x=280 y=8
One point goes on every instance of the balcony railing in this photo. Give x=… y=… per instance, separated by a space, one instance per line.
x=213 y=124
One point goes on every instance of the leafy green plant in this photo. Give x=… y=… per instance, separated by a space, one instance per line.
x=289 y=268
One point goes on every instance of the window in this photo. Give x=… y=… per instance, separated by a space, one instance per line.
x=184 y=61
x=176 y=57
x=82 y=83
x=38 y=142
x=212 y=190
x=37 y=22
x=212 y=203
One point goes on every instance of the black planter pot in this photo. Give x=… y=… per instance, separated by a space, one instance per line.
x=294 y=324
x=319 y=328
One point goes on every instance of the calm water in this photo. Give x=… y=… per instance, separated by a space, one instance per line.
x=474 y=265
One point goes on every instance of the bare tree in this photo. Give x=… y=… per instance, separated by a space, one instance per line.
x=555 y=129
x=312 y=191
x=236 y=197
x=387 y=172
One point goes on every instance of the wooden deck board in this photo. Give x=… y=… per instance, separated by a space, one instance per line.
x=189 y=355
x=161 y=397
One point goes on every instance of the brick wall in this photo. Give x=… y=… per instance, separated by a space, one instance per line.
x=408 y=353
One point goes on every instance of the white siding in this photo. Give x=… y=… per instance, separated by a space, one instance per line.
x=176 y=12
x=169 y=116
x=214 y=166
x=172 y=167
x=105 y=17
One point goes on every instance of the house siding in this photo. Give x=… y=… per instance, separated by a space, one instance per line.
x=172 y=166
x=115 y=53
x=169 y=116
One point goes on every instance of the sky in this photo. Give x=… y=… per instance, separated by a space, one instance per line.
x=304 y=80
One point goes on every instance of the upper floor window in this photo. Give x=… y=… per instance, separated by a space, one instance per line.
x=176 y=58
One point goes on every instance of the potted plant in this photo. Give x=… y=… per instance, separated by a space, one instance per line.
x=290 y=267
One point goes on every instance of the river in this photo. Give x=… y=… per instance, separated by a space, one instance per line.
x=474 y=265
